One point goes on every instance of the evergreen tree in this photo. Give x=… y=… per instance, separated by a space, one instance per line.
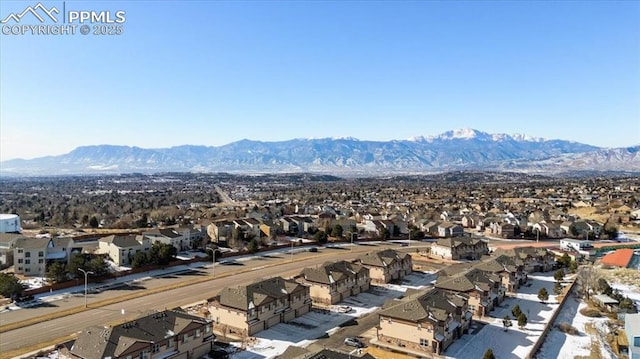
x=516 y=311
x=56 y=272
x=543 y=295
x=522 y=320
x=489 y=354
x=10 y=286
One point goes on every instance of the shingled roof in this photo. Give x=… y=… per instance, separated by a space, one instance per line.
x=434 y=304
x=104 y=342
x=123 y=241
x=457 y=242
x=259 y=293
x=468 y=281
x=381 y=258
x=331 y=272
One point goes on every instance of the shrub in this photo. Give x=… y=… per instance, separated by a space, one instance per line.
x=590 y=312
x=568 y=328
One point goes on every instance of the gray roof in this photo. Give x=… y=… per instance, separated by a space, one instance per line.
x=432 y=305
x=102 y=342
x=337 y=271
x=259 y=293
x=123 y=241
x=468 y=281
x=7 y=238
x=458 y=241
x=382 y=258
x=31 y=243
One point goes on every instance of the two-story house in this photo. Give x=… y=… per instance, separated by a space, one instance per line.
x=424 y=321
x=122 y=248
x=386 y=265
x=332 y=282
x=169 y=236
x=220 y=231
x=459 y=248
x=483 y=290
x=533 y=259
x=246 y=310
x=448 y=229
x=31 y=255
x=168 y=334
x=512 y=273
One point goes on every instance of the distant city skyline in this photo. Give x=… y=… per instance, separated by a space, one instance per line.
x=211 y=73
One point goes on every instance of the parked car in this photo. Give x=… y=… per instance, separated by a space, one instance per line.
x=313 y=249
x=353 y=342
x=344 y=309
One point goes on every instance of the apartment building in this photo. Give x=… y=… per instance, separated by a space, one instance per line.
x=122 y=248
x=332 y=282
x=483 y=290
x=427 y=321
x=459 y=248
x=386 y=265
x=168 y=334
x=246 y=310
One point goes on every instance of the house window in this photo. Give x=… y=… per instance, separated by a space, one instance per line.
x=207 y=328
x=19 y=268
x=155 y=348
x=419 y=326
x=27 y=269
x=40 y=261
x=20 y=251
x=144 y=355
x=170 y=343
x=424 y=342
x=41 y=254
x=27 y=254
x=19 y=260
x=636 y=341
x=184 y=339
x=197 y=333
x=27 y=261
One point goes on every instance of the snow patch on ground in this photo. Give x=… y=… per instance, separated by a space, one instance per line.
x=514 y=343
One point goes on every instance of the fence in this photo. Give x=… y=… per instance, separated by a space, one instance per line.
x=549 y=325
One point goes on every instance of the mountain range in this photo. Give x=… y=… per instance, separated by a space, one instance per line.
x=463 y=149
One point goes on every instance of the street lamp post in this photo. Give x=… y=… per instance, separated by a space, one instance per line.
x=291 y=250
x=213 y=261
x=86 y=273
x=352 y=240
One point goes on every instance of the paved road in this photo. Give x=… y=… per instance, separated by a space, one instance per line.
x=48 y=331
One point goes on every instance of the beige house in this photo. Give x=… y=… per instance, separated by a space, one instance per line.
x=180 y=240
x=531 y=258
x=424 y=321
x=331 y=283
x=459 y=248
x=512 y=273
x=387 y=265
x=483 y=290
x=31 y=255
x=220 y=231
x=246 y=310
x=122 y=248
x=167 y=334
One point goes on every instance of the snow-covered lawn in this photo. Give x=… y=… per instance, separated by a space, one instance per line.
x=562 y=345
x=306 y=329
x=565 y=346
x=515 y=343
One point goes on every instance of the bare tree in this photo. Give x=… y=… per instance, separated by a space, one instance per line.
x=587 y=280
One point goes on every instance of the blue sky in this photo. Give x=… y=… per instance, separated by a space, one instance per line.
x=213 y=72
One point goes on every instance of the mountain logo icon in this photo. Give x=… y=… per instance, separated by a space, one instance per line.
x=35 y=11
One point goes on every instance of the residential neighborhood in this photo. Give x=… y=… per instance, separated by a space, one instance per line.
x=468 y=259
